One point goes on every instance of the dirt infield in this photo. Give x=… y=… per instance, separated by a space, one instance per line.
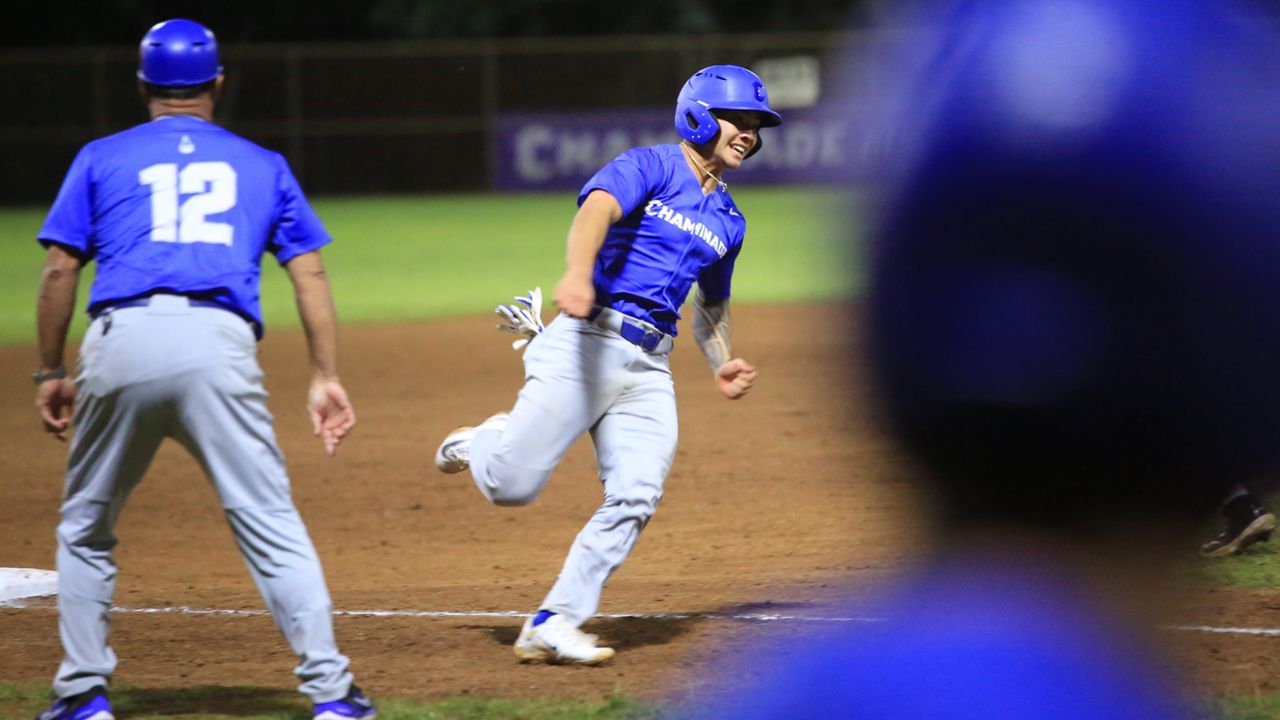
x=774 y=503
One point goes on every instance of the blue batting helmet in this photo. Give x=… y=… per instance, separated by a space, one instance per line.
x=721 y=87
x=179 y=52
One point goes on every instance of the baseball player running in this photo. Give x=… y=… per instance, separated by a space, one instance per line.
x=649 y=224
x=178 y=212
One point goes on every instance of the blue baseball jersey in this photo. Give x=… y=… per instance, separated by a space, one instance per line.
x=181 y=205
x=671 y=234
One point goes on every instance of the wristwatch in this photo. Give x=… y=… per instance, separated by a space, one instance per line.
x=39 y=376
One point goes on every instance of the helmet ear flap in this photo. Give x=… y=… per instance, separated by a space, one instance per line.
x=694 y=122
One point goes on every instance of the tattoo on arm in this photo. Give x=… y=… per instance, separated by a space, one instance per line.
x=711 y=327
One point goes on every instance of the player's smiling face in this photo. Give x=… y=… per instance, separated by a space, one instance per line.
x=739 y=132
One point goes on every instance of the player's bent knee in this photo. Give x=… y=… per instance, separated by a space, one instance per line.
x=513 y=495
x=511 y=486
x=87 y=525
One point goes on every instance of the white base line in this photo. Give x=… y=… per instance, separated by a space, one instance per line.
x=748 y=617
x=756 y=617
x=1265 y=632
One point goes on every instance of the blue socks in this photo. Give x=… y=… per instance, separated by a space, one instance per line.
x=541 y=617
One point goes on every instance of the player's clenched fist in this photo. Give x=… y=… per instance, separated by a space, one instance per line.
x=575 y=295
x=735 y=378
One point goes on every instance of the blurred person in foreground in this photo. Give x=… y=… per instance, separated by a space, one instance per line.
x=178 y=212
x=1074 y=327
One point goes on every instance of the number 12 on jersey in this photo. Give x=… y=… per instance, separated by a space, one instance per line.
x=211 y=187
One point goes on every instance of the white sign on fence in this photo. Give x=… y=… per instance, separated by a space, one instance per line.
x=792 y=81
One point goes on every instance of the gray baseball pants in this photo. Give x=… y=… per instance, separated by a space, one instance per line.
x=191 y=374
x=581 y=377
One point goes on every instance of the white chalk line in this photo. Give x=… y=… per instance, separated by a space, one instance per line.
x=1263 y=632
x=516 y=614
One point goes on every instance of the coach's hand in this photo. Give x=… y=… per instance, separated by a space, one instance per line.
x=332 y=416
x=56 y=400
x=575 y=294
x=735 y=378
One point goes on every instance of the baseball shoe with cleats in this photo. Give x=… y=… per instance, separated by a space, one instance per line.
x=354 y=705
x=89 y=705
x=558 y=642
x=454 y=453
x=1247 y=523
x=1234 y=538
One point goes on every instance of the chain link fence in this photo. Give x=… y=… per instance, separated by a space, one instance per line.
x=391 y=117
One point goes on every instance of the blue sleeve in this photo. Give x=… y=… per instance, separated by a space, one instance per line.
x=298 y=228
x=70 y=219
x=629 y=178
x=715 y=280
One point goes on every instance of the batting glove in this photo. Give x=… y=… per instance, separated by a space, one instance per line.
x=526 y=320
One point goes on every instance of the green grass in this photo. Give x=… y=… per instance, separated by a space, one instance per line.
x=1266 y=707
x=407 y=258
x=1257 y=567
x=24 y=700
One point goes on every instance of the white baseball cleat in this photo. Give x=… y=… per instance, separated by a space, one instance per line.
x=454 y=454
x=557 y=641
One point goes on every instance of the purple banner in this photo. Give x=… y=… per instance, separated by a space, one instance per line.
x=558 y=150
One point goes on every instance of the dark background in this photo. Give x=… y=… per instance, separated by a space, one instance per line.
x=389 y=96
x=73 y=22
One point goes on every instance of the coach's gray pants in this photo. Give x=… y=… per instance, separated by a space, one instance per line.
x=580 y=378
x=190 y=373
